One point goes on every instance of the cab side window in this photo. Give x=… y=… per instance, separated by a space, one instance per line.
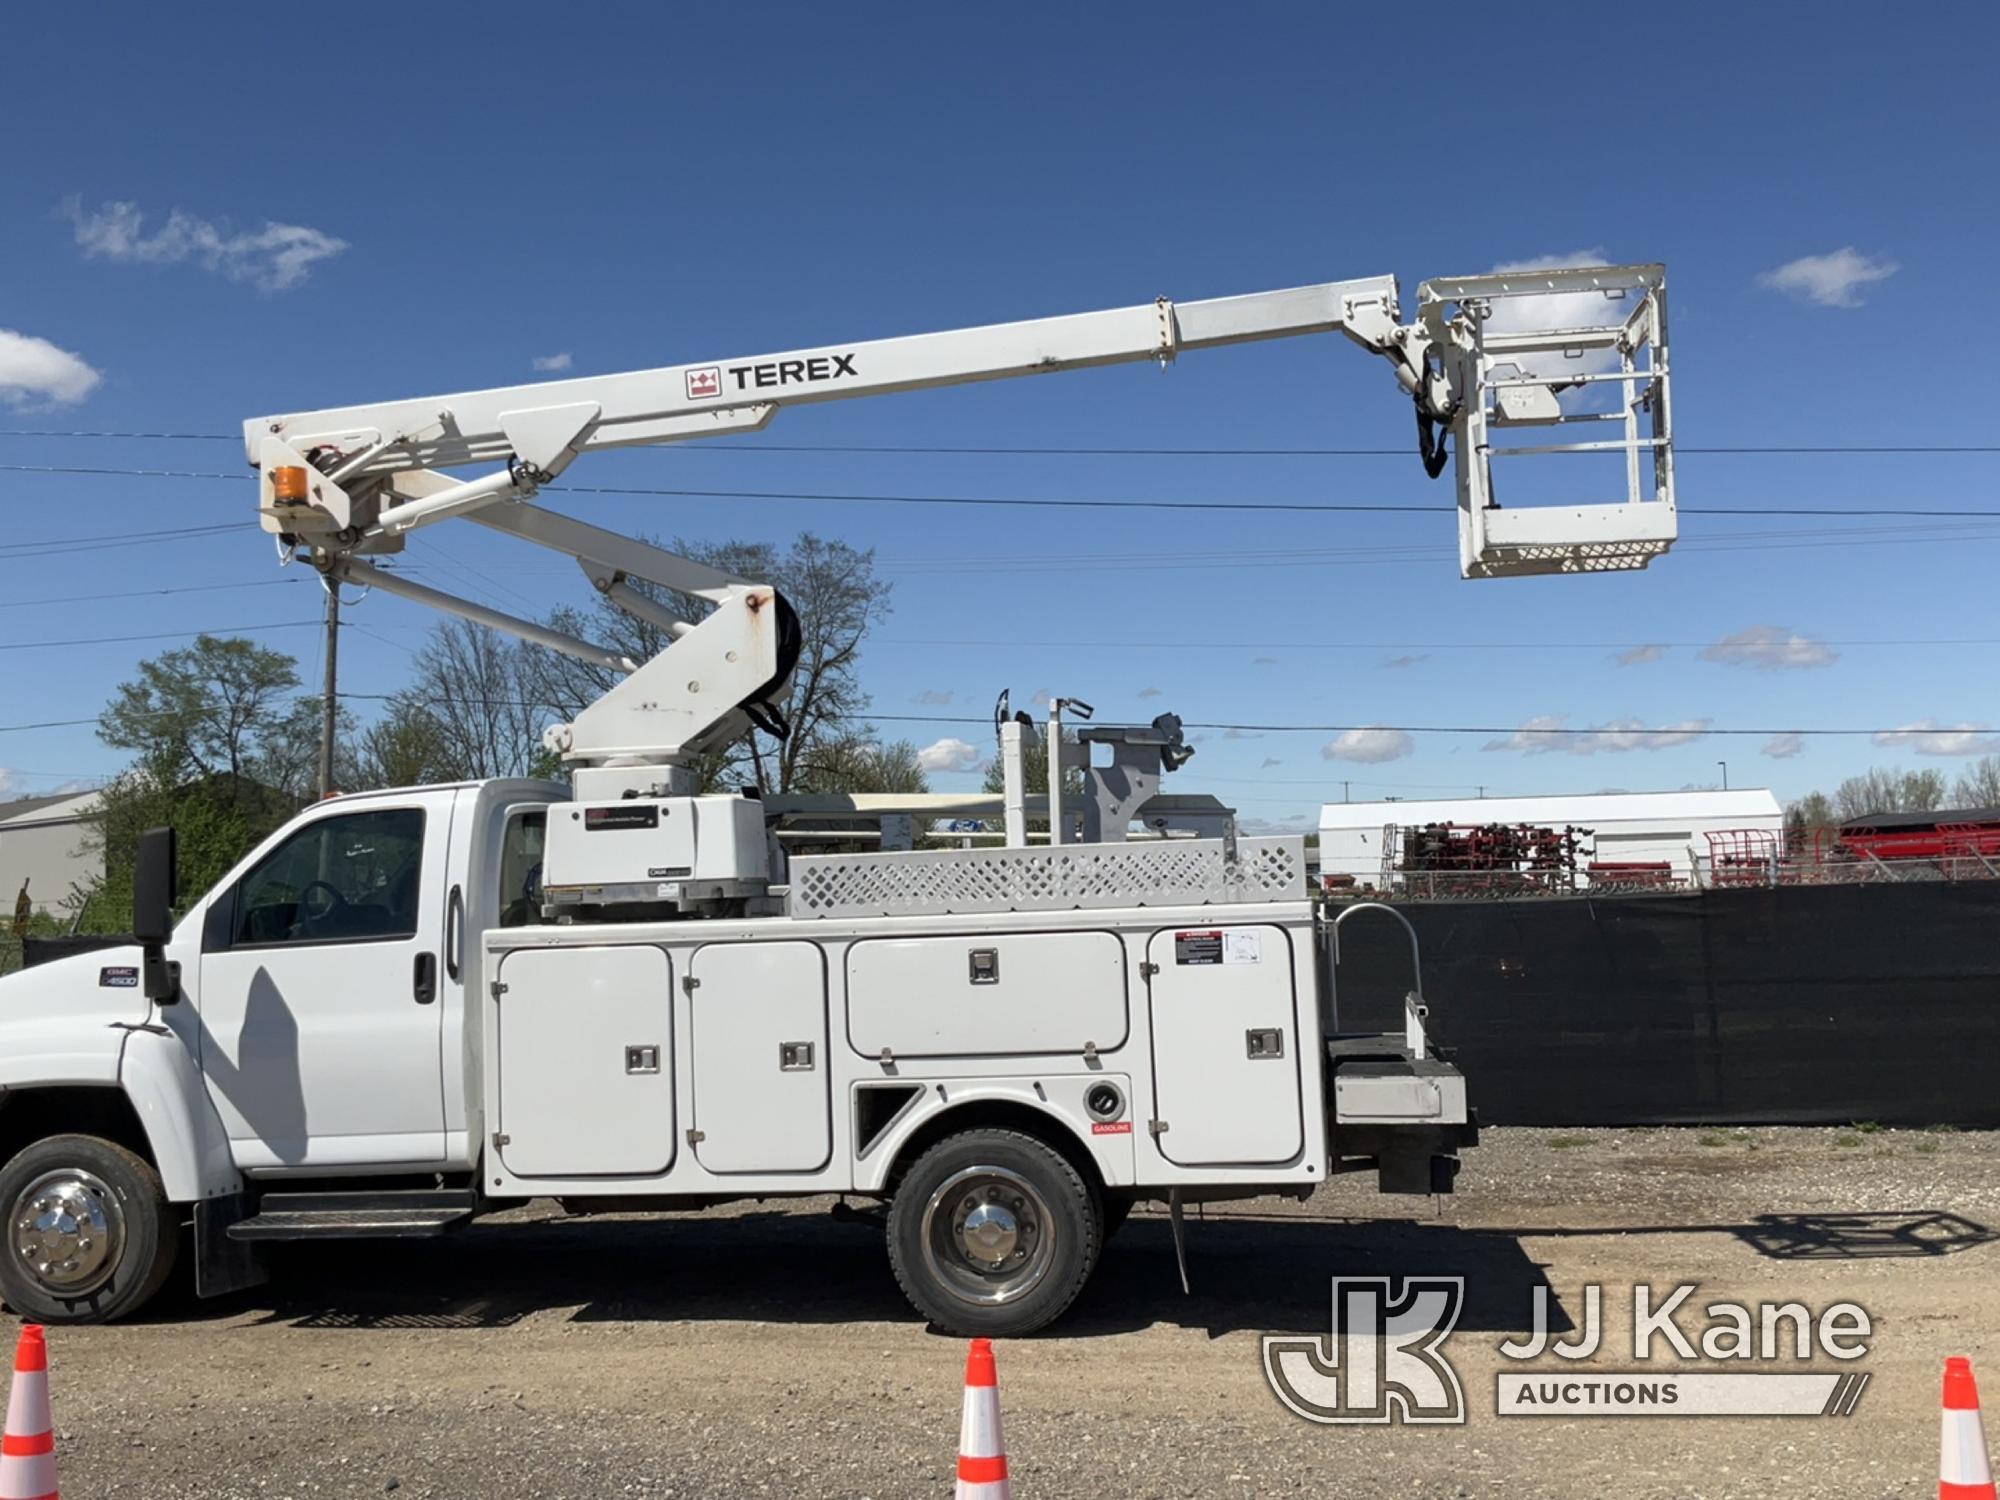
x=355 y=877
x=521 y=869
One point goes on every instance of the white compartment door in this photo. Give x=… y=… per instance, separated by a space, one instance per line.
x=761 y=1097
x=587 y=1062
x=1225 y=1045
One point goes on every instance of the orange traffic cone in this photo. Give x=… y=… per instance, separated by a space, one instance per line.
x=28 y=1448
x=982 y=1451
x=1963 y=1473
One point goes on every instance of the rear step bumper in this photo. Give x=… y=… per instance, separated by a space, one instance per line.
x=356 y=1216
x=1403 y=1117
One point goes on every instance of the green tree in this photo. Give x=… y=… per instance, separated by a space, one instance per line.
x=220 y=707
x=861 y=765
x=216 y=735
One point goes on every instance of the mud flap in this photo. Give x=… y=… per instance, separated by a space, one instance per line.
x=223 y=1265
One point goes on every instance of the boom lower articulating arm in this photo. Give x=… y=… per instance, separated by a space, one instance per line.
x=350 y=483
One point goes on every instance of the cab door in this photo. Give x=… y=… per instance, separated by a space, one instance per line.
x=319 y=995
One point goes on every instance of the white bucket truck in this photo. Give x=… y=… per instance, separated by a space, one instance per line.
x=407 y=1008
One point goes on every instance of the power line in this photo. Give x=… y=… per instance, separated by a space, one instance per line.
x=155 y=635
x=1353 y=645
x=192 y=588
x=986 y=721
x=1052 y=451
x=1510 y=729
x=1310 y=507
x=62 y=546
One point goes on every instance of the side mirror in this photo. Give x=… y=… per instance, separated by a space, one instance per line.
x=153 y=892
x=153 y=886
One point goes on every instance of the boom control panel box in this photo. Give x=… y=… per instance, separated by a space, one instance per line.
x=650 y=850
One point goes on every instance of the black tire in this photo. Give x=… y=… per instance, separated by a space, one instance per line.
x=143 y=1249
x=1057 y=1219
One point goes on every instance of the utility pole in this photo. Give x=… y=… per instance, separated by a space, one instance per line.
x=329 y=707
x=1345 y=788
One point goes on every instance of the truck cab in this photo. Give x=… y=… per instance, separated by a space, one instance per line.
x=316 y=1029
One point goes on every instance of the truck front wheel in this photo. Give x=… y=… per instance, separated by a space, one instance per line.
x=89 y=1234
x=992 y=1232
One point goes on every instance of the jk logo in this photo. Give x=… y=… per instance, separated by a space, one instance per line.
x=1382 y=1362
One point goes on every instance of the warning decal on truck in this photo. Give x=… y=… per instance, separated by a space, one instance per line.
x=1198 y=947
x=627 y=815
x=1239 y=946
x=1242 y=947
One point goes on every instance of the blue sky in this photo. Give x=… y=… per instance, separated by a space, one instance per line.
x=631 y=186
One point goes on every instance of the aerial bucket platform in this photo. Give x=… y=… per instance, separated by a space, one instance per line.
x=1555 y=349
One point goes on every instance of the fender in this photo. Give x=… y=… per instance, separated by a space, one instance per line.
x=84 y=1020
x=65 y=1022
x=1057 y=1101
x=190 y=1147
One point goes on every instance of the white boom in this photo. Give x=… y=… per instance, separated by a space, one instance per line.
x=350 y=482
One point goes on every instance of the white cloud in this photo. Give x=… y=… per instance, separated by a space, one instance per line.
x=949 y=755
x=34 y=372
x=1829 y=280
x=1043 y=698
x=552 y=362
x=1554 y=310
x=1397 y=663
x=1784 y=746
x=274 y=258
x=1370 y=746
x=1270 y=827
x=1150 y=692
x=1770 y=648
x=1241 y=734
x=1270 y=761
x=1929 y=737
x=932 y=698
x=1264 y=661
x=1547 y=734
x=1638 y=656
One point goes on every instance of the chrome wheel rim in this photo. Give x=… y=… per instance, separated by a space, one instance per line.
x=66 y=1231
x=989 y=1237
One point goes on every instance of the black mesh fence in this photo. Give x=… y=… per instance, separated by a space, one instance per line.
x=1780 y=1006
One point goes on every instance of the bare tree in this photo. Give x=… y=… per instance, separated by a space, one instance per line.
x=1884 y=790
x=1979 y=784
x=472 y=711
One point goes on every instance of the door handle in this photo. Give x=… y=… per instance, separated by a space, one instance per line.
x=454 y=932
x=425 y=979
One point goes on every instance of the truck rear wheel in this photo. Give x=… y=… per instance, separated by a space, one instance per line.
x=992 y=1232
x=90 y=1236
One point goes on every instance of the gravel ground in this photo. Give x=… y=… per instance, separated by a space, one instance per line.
x=765 y=1350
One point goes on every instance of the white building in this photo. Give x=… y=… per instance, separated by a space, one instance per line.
x=1629 y=826
x=45 y=841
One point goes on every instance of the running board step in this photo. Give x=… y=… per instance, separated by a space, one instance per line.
x=355 y=1216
